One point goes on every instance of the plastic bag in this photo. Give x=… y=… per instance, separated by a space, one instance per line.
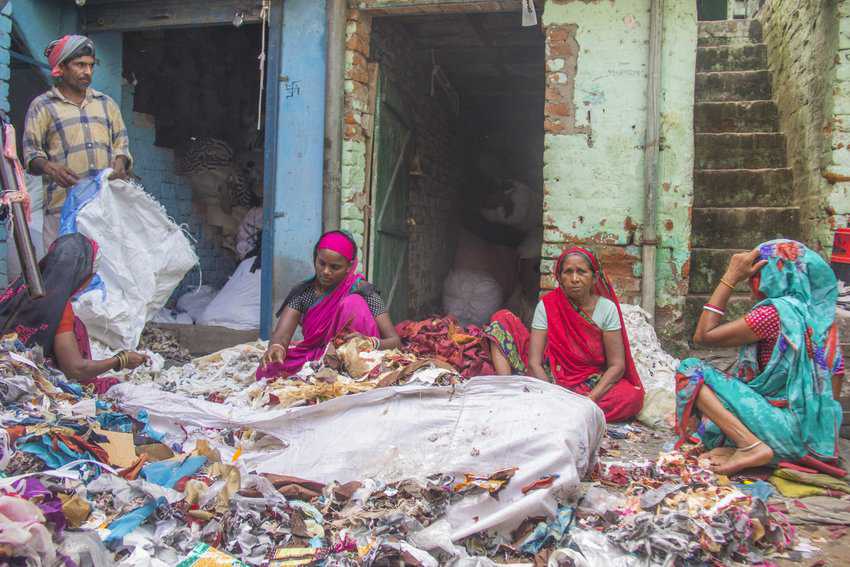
x=237 y=305
x=145 y=255
x=194 y=302
x=659 y=408
x=472 y=296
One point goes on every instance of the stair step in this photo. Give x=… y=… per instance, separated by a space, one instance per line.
x=720 y=117
x=743 y=227
x=739 y=151
x=724 y=86
x=724 y=32
x=732 y=58
x=737 y=306
x=743 y=187
x=707 y=267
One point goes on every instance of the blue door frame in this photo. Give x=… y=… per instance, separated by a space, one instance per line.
x=294 y=151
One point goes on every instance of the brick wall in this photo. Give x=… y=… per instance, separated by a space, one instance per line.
x=837 y=172
x=155 y=166
x=358 y=127
x=801 y=38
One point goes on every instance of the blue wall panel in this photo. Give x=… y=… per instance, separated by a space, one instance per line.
x=294 y=215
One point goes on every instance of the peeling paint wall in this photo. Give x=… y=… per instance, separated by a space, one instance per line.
x=595 y=124
x=595 y=120
x=357 y=128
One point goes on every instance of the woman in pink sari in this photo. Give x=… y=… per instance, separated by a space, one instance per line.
x=337 y=300
x=578 y=339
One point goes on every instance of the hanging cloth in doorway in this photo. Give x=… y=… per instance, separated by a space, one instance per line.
x=529 y=14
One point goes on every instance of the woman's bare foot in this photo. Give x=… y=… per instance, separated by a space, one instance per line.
x=717 y=456
x=758 y=456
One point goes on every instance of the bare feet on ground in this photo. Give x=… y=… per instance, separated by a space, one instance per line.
x=717 y=456
x=739 y=460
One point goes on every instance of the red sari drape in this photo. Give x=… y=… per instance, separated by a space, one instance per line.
x=575 y=350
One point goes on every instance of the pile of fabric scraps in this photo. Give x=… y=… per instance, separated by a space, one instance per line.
x=214 y=377
x=350 y=366
x=677 y=512
x=165 y=344
x=656 y=368
x=795 y=481
x=465 y=348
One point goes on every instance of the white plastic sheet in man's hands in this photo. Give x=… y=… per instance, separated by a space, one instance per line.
x=481 y=426
x=144 y=257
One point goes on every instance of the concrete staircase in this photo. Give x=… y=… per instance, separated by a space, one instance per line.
x=742 y=185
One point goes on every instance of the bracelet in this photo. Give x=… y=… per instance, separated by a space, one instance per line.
x=376 y=343
x=714 y=309
x=123 y=360
x=280 y=346
x=727 y=284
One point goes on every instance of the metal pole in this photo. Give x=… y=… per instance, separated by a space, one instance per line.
x=651 y=148
x=334 y=101
x=20 y=230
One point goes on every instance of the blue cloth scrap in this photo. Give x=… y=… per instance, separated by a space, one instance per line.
x=148 y=430
x=759 y=489
x=114 y=421
x=41 y=446
x=549 y=533
x=167 y=473
x=125 y=524
x=72 y=388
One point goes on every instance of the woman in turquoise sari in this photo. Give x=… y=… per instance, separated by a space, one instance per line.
x=779 y=404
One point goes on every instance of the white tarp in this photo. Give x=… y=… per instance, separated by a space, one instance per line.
x=144 y=257
x=481 y=426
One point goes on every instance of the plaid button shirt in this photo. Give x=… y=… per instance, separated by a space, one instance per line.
x=84 y=138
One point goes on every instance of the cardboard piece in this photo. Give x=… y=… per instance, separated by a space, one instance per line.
x=120 y=448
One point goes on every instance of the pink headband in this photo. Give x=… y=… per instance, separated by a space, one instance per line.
x=339 y=243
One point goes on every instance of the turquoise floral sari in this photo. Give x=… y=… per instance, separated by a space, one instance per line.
x=788 y=404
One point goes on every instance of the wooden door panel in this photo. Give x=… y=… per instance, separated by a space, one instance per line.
x=389 y=262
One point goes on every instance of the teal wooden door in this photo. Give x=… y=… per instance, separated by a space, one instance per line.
x=712 y=9
x=389 y=257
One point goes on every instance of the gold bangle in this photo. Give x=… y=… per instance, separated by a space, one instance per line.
x=727 y=284
x=125 y=360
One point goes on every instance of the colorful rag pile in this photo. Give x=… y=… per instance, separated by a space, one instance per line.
x=799 y=484
x=465 y=348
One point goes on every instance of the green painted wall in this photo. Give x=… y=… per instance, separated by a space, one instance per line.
x=593 y=172
x=594 y=180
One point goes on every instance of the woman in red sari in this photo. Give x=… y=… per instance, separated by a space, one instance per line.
x=577 y=340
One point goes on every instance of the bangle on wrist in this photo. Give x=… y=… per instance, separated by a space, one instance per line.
x=714 y=309
x=726 y=282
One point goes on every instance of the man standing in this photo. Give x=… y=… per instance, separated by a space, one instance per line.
x=72 y=131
